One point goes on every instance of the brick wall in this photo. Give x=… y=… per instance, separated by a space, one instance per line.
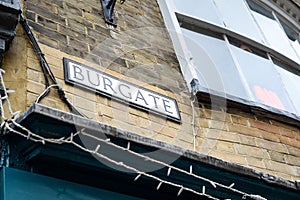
x=262 y=144
x=139 y=51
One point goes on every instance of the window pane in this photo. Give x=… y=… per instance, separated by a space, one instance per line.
x=263 y=80
x=296 y=45
x=214 y=65
x=293 y=36
x=237 y=17
x=274 y=34
x=204 y=10
x=291 y=83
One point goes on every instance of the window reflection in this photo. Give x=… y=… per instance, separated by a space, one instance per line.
x=263 y=80
x=268 y=97
x=215 y=67
x=293 y=36
x=274 y=34
x=240 y=69
x=237 y=17
x=291 y=84
x=204 y=10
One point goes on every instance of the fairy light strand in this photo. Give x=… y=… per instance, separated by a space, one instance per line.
x=117 y=163
x=70 y=140
x=170 y=167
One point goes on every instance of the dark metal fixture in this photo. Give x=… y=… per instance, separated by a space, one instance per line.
x=108 y=11
x=10 y=11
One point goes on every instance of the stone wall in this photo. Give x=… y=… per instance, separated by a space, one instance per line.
x=139 y=51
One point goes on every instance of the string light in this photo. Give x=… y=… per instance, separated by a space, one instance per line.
x=28 y=136
x=5 y=97
x=169 y=171
x=97 y=148
x=179 y=192
x=67 y=140
x=37 y=138
x=193 y=123
x=114 y=162
x=256 y=197
x=158 y=186
x=44 y=92
x=2 y=111
x=170 y=167
x=128 y=146
x=137 y=177
x=214 y=184
x=48 y=75
x=71 y=137
x=191 y=169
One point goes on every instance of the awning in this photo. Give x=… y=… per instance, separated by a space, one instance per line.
x=113 y=159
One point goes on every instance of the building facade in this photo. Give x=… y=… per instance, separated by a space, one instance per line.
x=150 y=99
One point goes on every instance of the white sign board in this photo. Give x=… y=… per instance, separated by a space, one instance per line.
x=110 y=86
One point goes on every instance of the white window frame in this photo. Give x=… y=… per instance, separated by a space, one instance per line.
x=184 y=55
x=182 y=52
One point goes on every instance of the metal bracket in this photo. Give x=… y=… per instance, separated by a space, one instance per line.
x=10 y=11
x=108 y=11
x=194 y=87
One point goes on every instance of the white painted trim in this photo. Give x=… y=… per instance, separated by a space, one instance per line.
x=281 y=12
x=183 y=54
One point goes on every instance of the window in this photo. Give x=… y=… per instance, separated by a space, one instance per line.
x=215 y=66
x=262 y=79
x=291 y=83
x=272 y=30
x=205 y=11
x=242 y=20
x=293 y=36
x=241 y=50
